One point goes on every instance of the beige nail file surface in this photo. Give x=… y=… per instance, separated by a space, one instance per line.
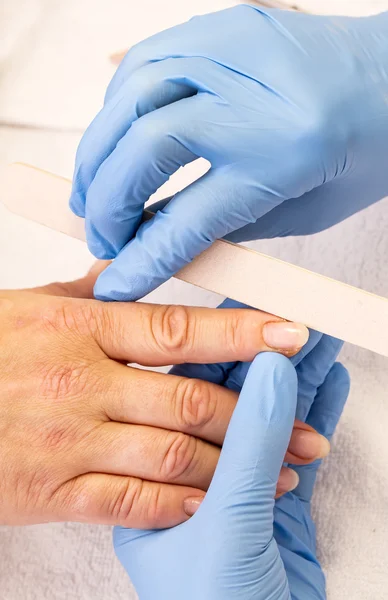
x=242 y=274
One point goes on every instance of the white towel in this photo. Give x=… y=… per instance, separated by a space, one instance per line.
x=54 y=70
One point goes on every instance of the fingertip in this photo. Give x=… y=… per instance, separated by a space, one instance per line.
x=306 y=446
x=77 y=204
x=287 y=482
x=313 y=340
x=284 y=336
x=325 y=447
x=97 y=244
x=340 y=375
x=272 y=383
x=280 y=366
x=330 y=401
x=111 y=285
x=335 y=389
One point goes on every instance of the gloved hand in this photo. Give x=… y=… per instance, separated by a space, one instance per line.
x=232 y=548
x=290 y=109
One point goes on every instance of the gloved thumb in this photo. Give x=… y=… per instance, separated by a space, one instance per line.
x=243 y=488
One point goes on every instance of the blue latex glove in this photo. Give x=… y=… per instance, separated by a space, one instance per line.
x=290 y=109
x=233 y=548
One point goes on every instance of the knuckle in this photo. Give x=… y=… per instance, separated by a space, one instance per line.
x=59 y=434
x=72 y=498
x=31 y=485
x=128 y=500
x=78 y=317
x=70 y=436
x=179 y=458
x=153 y=507
x=141 y=52
x=138 y=504
x=235 y=332
x=59 y=317
x=151 y=131
x=195 y=405
x=315 y=130
x=66 y=380
x=171 y=327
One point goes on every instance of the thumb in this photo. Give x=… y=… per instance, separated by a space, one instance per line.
x=259 y=432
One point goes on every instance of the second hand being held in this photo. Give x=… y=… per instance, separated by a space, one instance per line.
x=238 y=545
x=83 y=437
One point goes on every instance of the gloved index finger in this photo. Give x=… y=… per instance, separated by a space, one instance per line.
x=312 y=372
x=329 y=402
x=324 y=417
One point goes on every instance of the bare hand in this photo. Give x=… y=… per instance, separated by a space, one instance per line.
x=85 y=438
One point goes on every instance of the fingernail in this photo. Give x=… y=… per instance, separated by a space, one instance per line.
x=282 y=335
x=191 y=505
x=288 y=481
x=308 y=444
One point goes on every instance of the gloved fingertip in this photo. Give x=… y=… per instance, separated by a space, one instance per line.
x=100 y=253
x=111 y=285
x=340 y=374
x=268 y=372
x=97 y=244
x=77 y=205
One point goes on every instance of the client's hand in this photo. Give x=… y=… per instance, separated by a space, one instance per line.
x=236 y=546
x=84 y=437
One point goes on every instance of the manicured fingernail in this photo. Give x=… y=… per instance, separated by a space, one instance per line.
x=288 y=481
x=308 y=444
x=282 y=335
x=191 y=505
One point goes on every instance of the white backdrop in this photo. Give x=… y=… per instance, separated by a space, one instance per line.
x=53 y=71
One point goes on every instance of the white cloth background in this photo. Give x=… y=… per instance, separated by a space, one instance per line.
x=53 y=71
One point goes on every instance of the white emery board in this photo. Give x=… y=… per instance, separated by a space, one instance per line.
x=250 y=277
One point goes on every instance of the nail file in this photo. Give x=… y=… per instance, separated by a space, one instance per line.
x=242 y=274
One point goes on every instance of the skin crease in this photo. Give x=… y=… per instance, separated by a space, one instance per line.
x=84 y=437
